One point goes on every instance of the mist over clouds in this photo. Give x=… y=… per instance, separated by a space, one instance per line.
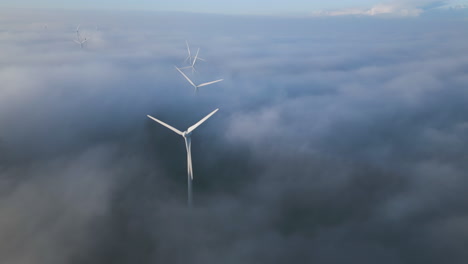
x=400 y=8
x=337 y=140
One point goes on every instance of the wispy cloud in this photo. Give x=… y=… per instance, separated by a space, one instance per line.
x=398 y=8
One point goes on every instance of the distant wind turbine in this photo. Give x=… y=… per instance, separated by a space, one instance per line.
x=197 y=86
x=189 y=57
x=188 y=145
x=193 y=63
x=79 y=39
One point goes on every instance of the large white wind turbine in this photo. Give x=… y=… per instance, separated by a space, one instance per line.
x=197 y=86
x=188 y=145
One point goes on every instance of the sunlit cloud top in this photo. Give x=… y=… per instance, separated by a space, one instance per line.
x=398 y=8
x=260 y=7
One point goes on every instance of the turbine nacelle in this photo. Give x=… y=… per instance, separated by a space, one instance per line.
x=186 y=134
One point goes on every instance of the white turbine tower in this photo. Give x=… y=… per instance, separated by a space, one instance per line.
x=197 y=86
x=188 y=145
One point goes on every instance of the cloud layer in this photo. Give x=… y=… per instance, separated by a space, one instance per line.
x=395 y=8
x=337 y=140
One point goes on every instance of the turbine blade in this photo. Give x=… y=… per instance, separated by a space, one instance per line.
x=196 y=55
x=190 y=129
x=183 y=74
x=208 y=83
x=166 y=125
x=201 y=59
x=188 y=49
x=76 y=41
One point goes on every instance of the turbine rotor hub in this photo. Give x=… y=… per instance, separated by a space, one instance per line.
x=186 y=134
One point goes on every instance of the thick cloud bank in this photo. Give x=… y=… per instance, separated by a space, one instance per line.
x=337 y=140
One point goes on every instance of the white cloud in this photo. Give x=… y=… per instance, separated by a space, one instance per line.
x=394 y=8
x=377 y=10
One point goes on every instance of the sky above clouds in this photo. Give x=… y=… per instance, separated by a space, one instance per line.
x=338 y=140
x=264 y=7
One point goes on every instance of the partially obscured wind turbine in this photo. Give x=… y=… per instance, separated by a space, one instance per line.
x=197 y=86
x=78 y=39
x=193 y=63
x=188 y=145
x=189 y=57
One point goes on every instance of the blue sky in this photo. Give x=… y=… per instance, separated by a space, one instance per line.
x=234 y=7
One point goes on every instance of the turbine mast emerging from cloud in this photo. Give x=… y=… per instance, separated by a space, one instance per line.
x=188 y=145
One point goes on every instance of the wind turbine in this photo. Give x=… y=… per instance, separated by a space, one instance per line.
x=189 y=57
x=197 y=86
x=193 y=63
x=188 y=145
x=78 y=39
